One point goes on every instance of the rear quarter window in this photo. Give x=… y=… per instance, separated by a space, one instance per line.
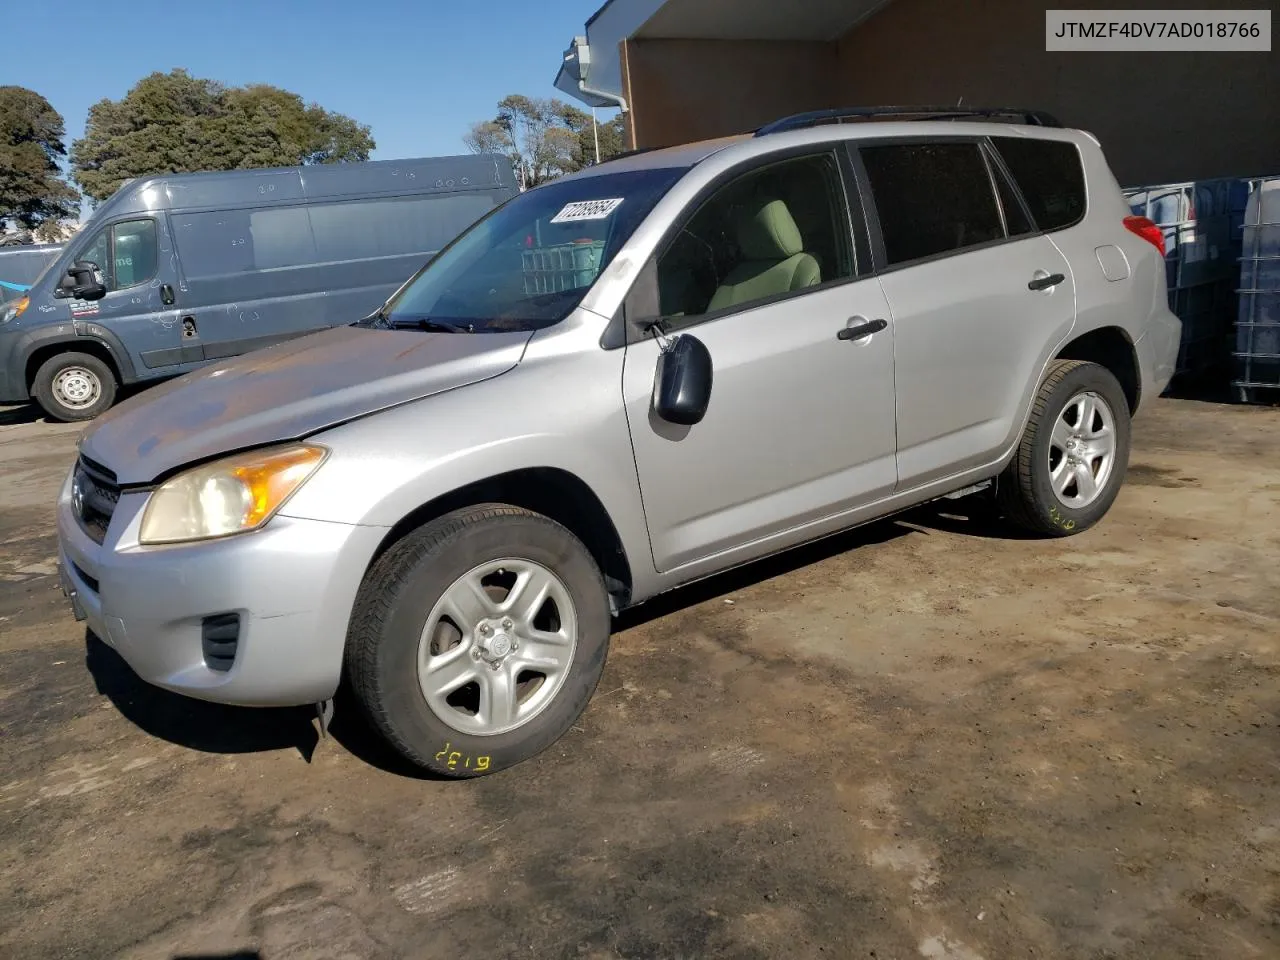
x=1049 y=175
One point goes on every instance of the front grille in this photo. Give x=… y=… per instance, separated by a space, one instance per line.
x=94 y=495
x=219 y=640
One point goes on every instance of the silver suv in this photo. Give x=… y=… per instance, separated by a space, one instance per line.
x=625 y=380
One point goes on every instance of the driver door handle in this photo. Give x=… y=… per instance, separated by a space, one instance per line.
x=860 y=330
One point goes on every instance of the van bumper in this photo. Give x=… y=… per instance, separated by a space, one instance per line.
x=290 y=585
x=13 y=375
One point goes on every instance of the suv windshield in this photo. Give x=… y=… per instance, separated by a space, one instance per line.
x=531 y=261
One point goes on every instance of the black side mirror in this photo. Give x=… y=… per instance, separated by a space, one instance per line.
x=82 y=283
x=682 y=387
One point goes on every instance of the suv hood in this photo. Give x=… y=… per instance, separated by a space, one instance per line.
x=287 y=391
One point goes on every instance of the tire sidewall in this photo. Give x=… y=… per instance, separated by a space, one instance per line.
x=42 y=387
x=1088 y=378
x=434 y=743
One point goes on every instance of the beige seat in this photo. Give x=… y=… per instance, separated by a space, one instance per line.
x=774 y=259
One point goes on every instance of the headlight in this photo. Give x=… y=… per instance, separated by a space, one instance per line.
x=234 y=495
x=15 y=309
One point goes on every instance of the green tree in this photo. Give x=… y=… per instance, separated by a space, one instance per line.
x=611 y=133
x=543 y=138
x=32 y=191
x=176 y=123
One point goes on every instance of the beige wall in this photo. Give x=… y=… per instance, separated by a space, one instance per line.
x=685 y=90
x=1160 y=116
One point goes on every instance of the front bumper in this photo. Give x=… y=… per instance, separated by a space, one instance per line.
x=292 y=583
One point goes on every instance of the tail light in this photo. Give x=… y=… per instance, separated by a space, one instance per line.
x=1147 y=230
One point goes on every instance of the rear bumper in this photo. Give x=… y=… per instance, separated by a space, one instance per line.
x=292 y=585
x=1157 y=351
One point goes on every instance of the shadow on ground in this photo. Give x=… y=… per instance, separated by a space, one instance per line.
x=20 y=414
x=217 y=728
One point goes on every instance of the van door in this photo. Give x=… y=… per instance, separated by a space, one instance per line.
x=134 y=256
x=980 y=300
x=246 y=283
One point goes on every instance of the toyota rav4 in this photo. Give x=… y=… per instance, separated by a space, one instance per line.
x=630 y=378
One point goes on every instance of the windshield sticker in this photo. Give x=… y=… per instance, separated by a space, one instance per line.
x=587 y=210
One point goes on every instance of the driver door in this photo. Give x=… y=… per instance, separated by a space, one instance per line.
x=801 y=421
x=134 y=259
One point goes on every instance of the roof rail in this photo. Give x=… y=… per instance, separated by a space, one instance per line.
x=799 y=121
x=621 y=156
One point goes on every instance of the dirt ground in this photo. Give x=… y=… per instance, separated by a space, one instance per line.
x=922 y=739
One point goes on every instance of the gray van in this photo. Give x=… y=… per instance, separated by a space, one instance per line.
x=176 y=271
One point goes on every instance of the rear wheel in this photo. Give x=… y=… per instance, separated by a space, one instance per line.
x=477 y=640
x=74 y=386
x=1072 y=459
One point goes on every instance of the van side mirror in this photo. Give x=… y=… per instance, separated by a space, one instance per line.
x=682 y=386
x=81 y=282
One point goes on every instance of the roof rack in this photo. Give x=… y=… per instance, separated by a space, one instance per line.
x=799 y=121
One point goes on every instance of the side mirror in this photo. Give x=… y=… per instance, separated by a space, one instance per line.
x=682 y=386
x=82 y=283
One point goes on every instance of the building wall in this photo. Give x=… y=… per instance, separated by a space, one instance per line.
x=1161 y=117
x=685 y=90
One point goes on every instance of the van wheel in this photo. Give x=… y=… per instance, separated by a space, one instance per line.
x=74 y=386
x=1074 y=452
x=477 y=640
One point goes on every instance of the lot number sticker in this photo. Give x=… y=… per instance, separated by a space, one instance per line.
x=587 y=210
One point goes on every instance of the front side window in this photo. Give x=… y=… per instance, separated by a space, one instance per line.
x=932 y=198
x=778 y=230
x=125 y=253
x=133 y=252
x=530 y=262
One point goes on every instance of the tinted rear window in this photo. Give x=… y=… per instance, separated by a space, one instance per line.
x=1049 y=174
x=932 y=198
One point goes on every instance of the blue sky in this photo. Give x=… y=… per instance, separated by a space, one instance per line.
x=419 y=73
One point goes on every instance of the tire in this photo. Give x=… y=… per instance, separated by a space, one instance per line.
x=1026 y=490
x=74 y=386
x=412 y=583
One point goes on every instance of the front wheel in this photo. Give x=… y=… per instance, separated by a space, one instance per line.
x=74 y=386
x=477 y=640
x=1072 y=459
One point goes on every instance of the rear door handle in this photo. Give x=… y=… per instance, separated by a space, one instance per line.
x=1044 y=283
x=860 y=330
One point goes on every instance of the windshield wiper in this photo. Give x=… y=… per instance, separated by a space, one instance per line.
x=438 y=326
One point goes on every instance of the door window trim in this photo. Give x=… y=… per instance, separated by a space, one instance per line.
x=640 y=305
x=1000 y=171
x=882 y=266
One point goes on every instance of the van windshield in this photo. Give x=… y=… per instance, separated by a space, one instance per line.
x=528 y=264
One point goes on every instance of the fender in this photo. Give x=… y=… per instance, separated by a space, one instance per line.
x=384 y=467
x=71 y=334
